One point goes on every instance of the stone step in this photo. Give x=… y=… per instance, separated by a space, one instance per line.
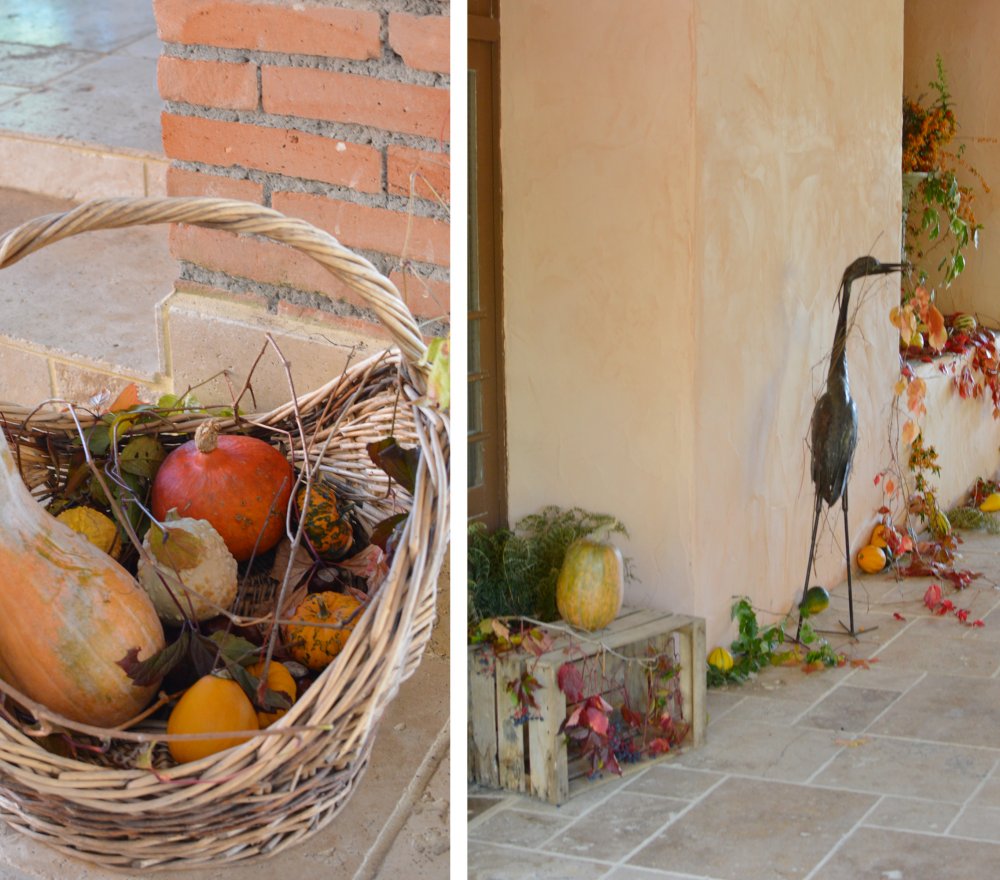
x=80 y=310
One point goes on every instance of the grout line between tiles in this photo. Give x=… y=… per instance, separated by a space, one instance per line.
x=843 y=838
x=968 y=801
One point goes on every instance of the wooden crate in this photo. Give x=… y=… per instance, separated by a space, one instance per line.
x=530 y=755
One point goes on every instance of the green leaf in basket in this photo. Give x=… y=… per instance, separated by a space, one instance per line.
x=399 y=462
x=142 y=456
x=98 y=439
x=439 y=380
x=233 y=647
x=149 y=671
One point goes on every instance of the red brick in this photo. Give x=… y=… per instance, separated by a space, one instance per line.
x=348 y=97
x=208 y=83
x=181 y=182
x=431 y=173
x=281 y=150
x=264 y=261
x=425 y=298
x=365 y=228
x=423 y=41
x=271 y=27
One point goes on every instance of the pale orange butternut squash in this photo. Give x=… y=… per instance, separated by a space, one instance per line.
x=68 y=612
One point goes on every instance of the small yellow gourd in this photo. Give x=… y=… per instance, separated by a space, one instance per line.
x=94 y=526
x=871 y=559
x=721 y=659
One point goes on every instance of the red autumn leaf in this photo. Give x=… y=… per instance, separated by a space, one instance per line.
x=128 y=398
x=631 y=717
x=596 y=720
x=573 y=719
x=962 y=614
x=977 y=622
x=570 y=681
x=938 y=334
x=861 y=663
x=896 y=615
x=932 y=598
x=945 y=606
x=659 y=746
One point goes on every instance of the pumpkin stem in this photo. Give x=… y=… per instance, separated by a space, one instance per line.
x=206 y=436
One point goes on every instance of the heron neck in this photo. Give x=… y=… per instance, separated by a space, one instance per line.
x=838 y=355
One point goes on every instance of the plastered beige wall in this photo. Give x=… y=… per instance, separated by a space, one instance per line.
x=684 y=183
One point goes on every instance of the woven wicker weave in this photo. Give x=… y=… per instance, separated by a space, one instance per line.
x=261 y=797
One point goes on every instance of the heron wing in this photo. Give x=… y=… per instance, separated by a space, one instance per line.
x=834 y=430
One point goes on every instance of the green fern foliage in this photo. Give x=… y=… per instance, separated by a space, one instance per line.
x=513 y=573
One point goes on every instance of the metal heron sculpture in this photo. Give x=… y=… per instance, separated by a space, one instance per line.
x=834 y=425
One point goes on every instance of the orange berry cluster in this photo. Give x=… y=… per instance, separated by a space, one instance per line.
x=925 y=133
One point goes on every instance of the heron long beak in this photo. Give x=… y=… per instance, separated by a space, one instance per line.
x=886 y=268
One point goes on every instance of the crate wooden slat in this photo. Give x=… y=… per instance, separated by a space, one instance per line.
x=529 y=755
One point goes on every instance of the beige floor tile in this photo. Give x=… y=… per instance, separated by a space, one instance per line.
x=979 y=823
x=490 y=862
x=675 y=782
x=519 y=828
x=928 y=650
x=775 y=710
x=74 y=105
x=773 y=831
x=877 y=854
x=756 y=749
x=911 y=769
x=27 y=65
x=913 y=814
x=628 y=872
x=610 y=832
x=589 y=795
x=989 y=794
x=849 y=710
x=947 y=709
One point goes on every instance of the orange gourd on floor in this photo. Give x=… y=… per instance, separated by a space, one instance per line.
x=240 y=484
x=68 y=613
x=591 y=584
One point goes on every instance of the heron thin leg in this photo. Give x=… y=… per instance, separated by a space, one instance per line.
x=847 y=552
x=812 y=551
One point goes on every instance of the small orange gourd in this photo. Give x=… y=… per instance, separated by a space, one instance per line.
x=68 y=613
x=316 y=646
x=240 y=484
x=211 y=705
x=279 y=679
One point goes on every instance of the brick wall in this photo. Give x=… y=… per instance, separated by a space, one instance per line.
x=335 y=112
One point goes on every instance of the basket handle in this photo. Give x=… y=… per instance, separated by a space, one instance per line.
x=233 y=216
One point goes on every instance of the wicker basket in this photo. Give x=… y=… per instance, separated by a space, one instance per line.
x=263 y=796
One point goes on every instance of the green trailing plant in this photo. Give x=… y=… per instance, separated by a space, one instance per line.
x=513 y=572
x=756 y=647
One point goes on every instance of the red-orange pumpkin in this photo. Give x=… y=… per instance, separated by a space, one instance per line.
x=591 y=585
x=68 y=613
x=231 y=480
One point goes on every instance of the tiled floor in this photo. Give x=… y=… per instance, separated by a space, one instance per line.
x=889 y=771
x=85 y=72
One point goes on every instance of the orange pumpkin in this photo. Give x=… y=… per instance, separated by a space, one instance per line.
x=211 y=705
x=315 y=645
x=68 y=613
x=240 y=484
x=329 y=531
x=590 y=587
